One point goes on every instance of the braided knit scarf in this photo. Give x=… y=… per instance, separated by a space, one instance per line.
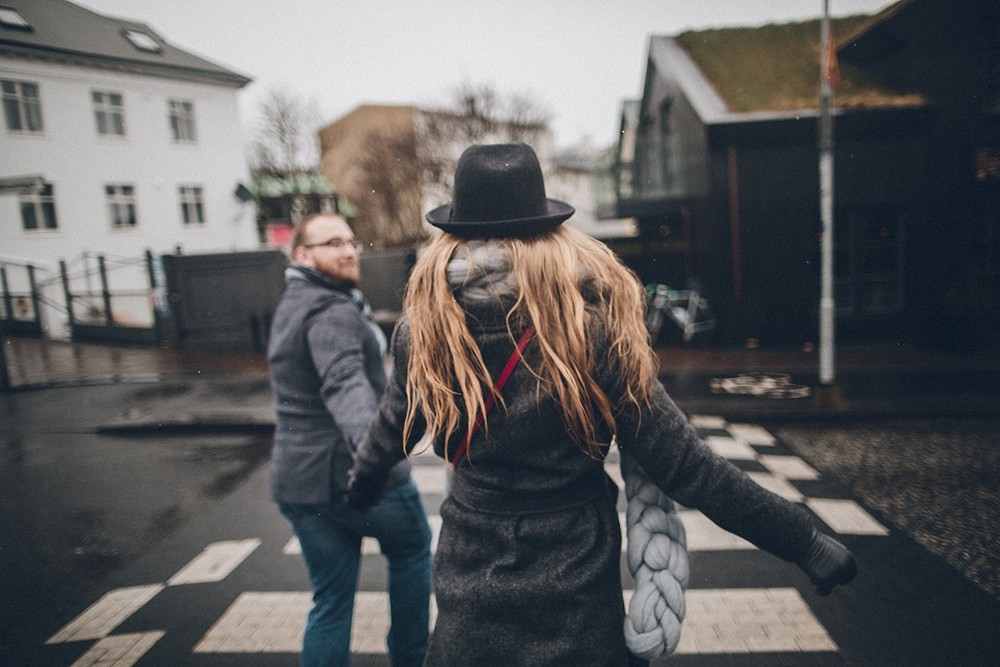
x=657 y=559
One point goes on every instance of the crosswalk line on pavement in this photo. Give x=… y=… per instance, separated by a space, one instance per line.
x=719 y=620
x=102 y=617
x=215 y=562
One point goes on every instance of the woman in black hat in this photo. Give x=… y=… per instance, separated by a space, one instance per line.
x=508 y=306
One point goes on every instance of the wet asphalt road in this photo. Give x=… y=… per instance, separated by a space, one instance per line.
x=76 y=504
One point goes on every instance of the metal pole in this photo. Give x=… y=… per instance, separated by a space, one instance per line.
x=69 y=295
x=35 y=300
x=826 y=304
x=105 y=292
x=4 y=374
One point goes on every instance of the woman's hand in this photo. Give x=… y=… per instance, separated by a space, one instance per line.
x=828 y=563
x=363 y=491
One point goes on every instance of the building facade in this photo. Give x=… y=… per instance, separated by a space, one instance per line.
x=718 y=161
x=395 y=163
x=133 y=145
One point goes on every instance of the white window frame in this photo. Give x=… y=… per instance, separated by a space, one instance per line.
x=181 y=115
x=28 y=108
x=42 y=205
x=192 y=200
x=106 y=112
x=143 y=41
x=10 y=18
x=121 y=206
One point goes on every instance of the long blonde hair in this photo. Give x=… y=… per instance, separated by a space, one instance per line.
x=565 y=279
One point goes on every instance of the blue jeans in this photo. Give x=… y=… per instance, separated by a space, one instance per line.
x=330 y=536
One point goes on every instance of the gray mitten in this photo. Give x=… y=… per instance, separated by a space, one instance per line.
x=828 y=563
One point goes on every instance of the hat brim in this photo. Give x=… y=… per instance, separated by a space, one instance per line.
x=558 y=211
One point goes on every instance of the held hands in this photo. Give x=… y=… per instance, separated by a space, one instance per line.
x=828 y=563
x=363 y=491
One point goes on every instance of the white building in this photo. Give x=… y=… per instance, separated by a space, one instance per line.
x=137 y=145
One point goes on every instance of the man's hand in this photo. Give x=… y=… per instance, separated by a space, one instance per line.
x=363 y=491
x=828 y=563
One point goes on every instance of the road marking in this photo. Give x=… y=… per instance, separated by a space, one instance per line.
x=731 y=448
x=119 y=650
x=789 y=467
x=215 y=562
x=777 y=485
x=712 y=422
x=429 y=478
x=733 y=620
x=98 y=620
x=718 y=620
x=755 y=620
x=846 y=517
x=274 y=622
x=752 y=434
x=704 y=535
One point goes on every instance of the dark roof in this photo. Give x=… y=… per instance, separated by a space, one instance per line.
x=64 y=32
x=776 y=67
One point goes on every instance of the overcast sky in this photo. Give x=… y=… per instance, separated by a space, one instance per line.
x=578 y=59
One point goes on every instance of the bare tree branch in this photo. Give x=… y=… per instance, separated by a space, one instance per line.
x=285 y=140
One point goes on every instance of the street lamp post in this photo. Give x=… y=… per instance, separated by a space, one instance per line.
x=826 y=304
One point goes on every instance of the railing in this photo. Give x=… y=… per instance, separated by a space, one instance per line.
x=19 y=308
x=121 y=313
x=19 y=313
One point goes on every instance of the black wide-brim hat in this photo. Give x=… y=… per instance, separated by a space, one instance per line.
x=499 y=191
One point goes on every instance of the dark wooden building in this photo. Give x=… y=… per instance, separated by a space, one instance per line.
x=719 y=164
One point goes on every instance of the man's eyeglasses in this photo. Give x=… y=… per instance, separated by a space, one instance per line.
x=337 y=244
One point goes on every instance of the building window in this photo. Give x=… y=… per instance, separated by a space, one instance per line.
x=182 y=121
x=109 y=111
x=880 y=263
x=868 y=261
x=667 y=148
x=121 y=205
x=38 y=210
x=10 y=18
x=143 y=41
x=192 y=205
x=22 y=108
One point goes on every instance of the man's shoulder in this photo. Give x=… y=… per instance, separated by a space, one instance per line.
x=303 y=301
x=301 y=290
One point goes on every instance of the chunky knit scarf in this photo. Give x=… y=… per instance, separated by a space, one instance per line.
x=657 y=545
x=657 y=559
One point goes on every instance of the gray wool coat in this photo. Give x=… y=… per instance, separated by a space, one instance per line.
x=527 y=570
x=327 y=375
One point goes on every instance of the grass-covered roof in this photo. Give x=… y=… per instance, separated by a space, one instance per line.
x=776 y=67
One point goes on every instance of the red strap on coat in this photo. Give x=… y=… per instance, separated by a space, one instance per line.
x=515 y=356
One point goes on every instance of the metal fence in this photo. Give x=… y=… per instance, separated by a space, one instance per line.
x=19 y=308
x=111 y=299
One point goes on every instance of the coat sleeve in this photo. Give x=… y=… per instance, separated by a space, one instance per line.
x=336 y=336
x=384 y=445
x=660 y=438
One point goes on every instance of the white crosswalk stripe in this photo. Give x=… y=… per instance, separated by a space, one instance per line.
x=719 y=621
x=119 y=650
x=735 y=620
x=102 y=617
x=215 y=562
